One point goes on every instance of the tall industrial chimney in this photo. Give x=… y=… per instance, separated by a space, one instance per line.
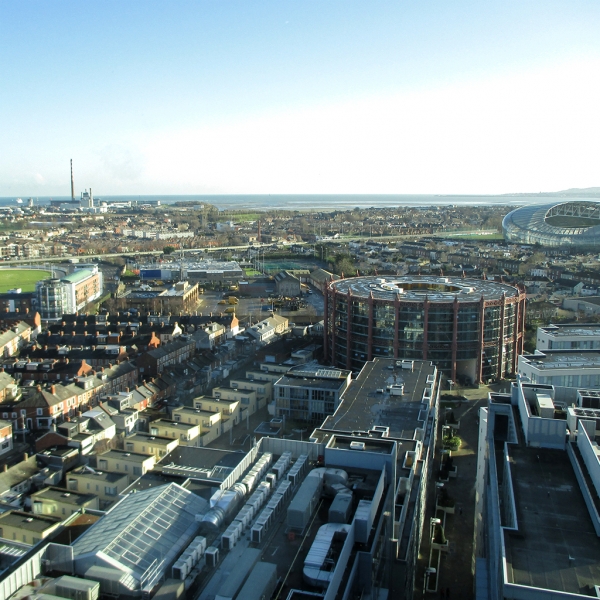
x=72 y=184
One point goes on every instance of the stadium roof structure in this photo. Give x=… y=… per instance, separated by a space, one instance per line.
x=564 y=224
x=141 y=535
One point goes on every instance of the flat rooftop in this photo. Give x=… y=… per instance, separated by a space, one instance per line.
x=416 y=288
x=368 y=401
x=590 y=299
x=561 y=359
x=107 y=476
x=201 y=463
x=27 y=521
x=63 y=495
x=378 y=445
x=307 y=382
x=155 y=440
x=124 y=455
x=556 y=546
x=592 y=330
x=203 y=265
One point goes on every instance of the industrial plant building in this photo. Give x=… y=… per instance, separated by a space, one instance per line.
x=199 y=271
x=566 y=225
x=472 y=330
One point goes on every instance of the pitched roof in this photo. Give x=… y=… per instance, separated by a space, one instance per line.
x=146 y=528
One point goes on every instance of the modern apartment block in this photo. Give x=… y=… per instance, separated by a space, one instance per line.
x=70 y=294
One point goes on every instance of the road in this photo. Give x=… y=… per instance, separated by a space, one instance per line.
x=385 y=238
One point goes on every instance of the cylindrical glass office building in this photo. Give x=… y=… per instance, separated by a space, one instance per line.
x=471 y=329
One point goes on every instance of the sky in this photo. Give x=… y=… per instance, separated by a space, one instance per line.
x=299 y=97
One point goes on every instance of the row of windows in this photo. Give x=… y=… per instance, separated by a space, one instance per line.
x=577 y=381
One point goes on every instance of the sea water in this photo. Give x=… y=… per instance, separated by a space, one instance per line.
x=320 y=202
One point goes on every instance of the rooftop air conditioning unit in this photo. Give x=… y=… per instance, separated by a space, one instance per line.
x=357 y=445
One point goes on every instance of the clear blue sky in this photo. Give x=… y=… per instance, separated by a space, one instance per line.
x=434 y=96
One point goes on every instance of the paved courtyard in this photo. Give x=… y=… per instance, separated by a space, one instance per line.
x=456 y=567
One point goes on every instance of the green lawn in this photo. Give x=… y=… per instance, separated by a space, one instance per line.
x=21 y=278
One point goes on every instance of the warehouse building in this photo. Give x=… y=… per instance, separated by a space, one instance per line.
x=200 y=271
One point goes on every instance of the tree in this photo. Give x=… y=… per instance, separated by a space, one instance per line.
x=168 y=250
x=343 y=263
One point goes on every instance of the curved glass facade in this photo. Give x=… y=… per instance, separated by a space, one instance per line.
x=473 y=333
x=566 y=224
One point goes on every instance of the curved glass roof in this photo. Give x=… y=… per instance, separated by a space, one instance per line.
x=556 y=224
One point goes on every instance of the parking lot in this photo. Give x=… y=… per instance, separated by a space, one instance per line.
x=258 y=308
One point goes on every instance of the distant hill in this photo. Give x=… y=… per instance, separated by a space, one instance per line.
x=591 y=192
x=580 y=191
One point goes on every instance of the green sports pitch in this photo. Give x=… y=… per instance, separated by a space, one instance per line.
x=21 y=278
